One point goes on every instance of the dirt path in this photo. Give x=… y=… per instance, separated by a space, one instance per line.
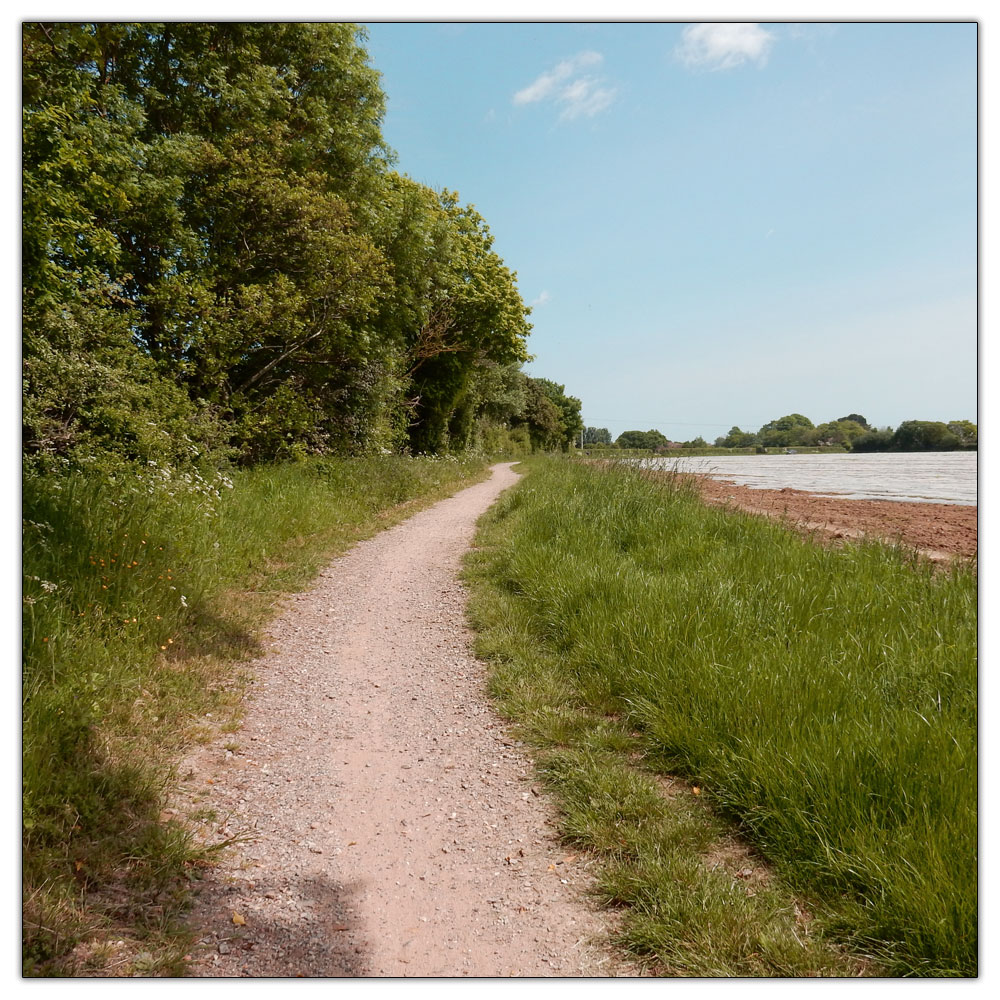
x=394 y=829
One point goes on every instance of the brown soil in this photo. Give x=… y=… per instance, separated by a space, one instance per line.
x=940 y=531
x=391 y=824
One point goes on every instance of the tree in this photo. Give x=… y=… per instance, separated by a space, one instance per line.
x=785 y=431
x=841 y=432
x=596 y=435
x=738 y=439
x=651 y=439
x=873 y=440
x=477 y=317
x=857 y=418
x=924 y=435
x=210 y=220
x=542 y=418
x=966 y=432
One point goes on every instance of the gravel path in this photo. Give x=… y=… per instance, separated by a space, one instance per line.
x=393 y=828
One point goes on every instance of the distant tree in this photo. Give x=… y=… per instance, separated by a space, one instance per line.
x=571 y=423
x=873 y=440
x=785 y=431
x=596 y=435
x=841 y=431
x=698 y=442
x=737 y=439
x=651 y=439
x=857 y=418
x=924 y=435
x=966 y=432
x=541 y=417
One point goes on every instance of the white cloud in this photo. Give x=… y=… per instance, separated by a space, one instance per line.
x=567 y=85
x=542 y=299
x=724 y=46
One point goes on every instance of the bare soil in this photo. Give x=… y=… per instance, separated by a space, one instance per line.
x=389 y=824
x=939 y=531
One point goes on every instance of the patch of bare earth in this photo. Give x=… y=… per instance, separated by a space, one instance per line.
x=391 y=826
x=939 y=531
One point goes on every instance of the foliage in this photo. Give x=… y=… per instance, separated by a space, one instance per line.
x=839 y=432
x=856 y=418
x=924 y=435
x=966 y=432
x=737 y=439
x=213 y=204
x=785 y=431
x=596 y=435
x=651 y=439
x=920 y=435
x=570 y=423
x=873 y=440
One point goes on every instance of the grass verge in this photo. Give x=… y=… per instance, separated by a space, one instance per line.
x=142 y=592
x=822 y=702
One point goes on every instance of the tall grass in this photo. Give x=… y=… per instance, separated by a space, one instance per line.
x=140 y=590
x=825 y=699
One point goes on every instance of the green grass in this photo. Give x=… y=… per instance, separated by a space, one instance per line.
x=822 y=699
x=141 y=594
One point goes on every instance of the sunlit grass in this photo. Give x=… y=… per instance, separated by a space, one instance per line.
x=823 y=699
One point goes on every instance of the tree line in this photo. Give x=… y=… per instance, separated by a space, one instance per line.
x=220 y=259
x=851 y=432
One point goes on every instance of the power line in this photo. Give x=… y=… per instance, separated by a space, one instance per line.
x=665 y=423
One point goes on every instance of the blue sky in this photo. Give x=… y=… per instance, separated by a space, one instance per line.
x=715 y=224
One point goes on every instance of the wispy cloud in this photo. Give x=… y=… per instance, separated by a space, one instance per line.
x=568 y=85
x=542 y=299
x=724 y=46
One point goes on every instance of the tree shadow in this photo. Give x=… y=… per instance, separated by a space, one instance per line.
x=278 y=926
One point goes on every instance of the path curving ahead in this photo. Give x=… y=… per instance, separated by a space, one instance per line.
x=395 y=828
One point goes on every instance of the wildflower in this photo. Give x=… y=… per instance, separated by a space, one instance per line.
x=184 y=602
x=46 y=639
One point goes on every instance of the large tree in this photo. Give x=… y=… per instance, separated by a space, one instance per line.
x=209 y=207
